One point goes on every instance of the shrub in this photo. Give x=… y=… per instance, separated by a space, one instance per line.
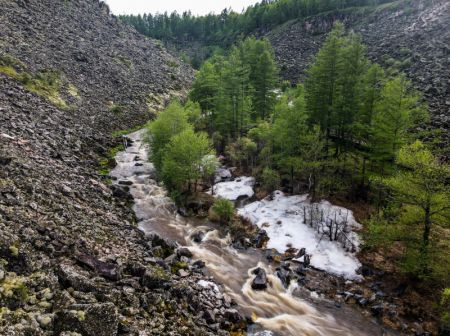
x=270 y=179
x=222 y=211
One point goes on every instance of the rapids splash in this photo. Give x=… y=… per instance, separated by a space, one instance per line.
x=276 y=310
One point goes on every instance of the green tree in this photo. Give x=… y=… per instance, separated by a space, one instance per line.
x=183 y=161
x=270 y=179
x=206 y=85
x=394 y=114
x=322 y=82
x=170 y=122
x=288 y=128
x=222 y=211
x=265 y=81
x=420 y=188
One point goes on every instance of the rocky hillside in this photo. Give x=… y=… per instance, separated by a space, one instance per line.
x=409 y=35
x=71 y=259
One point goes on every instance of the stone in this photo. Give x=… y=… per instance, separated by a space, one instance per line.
x=155 y=277
x=261 y=239
x=209 y=316
x=199 y=264
x=44 y=320
x=198 y=236
x=377 y=310
x=69 y=276
x=233 y=316
x=106 y=270
x=260 y=280
x=184 y=252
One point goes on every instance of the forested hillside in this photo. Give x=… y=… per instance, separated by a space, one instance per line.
x=295 y=183
x=223 y=29
x=351 y=132
x=404 y=35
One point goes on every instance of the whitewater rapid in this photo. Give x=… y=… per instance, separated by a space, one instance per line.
x=276 y=310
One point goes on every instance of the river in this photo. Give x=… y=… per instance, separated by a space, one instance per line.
x=277 y=310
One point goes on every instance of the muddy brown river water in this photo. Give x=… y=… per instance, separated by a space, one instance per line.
x=277 y=310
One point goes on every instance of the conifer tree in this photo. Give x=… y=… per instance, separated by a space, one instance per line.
x=321 y=84
x=420 y=188
x=394 y=113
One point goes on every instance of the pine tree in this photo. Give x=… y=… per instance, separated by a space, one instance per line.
x=394 y=114
x=322 y=82
x=349 y=89
x=264 y=84
x=420 y=188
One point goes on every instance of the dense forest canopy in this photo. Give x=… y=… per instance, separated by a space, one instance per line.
x=223 y=29
x=348 y=131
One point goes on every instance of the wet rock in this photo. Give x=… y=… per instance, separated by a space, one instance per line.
x=260 y=280
x=233 y=316
x=377 y=310
x=199 y=264
x=184 y=252
x=301 y=270
x=197 y=237
x=301 y=253
x=261 y=239
x=290 y=253
x=285 y=274
x=122 y=192
x=307 y=260
x=240 y=244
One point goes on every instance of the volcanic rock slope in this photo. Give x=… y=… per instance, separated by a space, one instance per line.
x=71 y=259
x=411 y=35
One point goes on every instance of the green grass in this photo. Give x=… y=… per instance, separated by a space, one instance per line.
x=106 y=163
x=47 y=83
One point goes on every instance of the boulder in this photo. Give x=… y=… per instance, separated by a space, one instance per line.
x=233 y=316
x=184 y=252
x=70 y=276
x=261 y=239
x=377 y=310
x=209 y=316
x=107 y=270
x=260 y=280
x=285 y=274
x=198 y=236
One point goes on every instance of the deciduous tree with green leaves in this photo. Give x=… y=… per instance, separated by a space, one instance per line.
x=183 y=160
x=170 y=122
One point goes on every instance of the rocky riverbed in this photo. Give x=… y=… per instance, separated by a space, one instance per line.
x=281 y=295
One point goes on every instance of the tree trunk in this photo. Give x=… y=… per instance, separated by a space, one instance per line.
x=427 y=228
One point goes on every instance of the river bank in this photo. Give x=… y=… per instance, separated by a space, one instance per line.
x=284 y=311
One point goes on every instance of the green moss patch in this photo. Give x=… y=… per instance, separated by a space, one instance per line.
x=47 y=83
